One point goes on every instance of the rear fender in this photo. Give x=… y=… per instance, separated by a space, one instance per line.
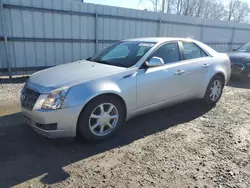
x=214 y=71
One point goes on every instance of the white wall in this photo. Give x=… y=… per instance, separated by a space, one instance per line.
x=45 y=33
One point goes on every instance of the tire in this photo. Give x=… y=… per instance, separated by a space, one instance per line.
x=209 y=98
x=93 y=116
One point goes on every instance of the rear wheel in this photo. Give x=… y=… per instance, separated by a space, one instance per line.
x=214 y=90
x=101 y=118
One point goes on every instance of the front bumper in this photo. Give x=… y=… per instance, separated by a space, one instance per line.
x=64 y=121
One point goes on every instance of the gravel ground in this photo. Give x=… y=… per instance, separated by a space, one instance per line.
x=10 y=94
x=188 y=145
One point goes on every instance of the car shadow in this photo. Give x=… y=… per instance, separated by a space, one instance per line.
x=26 y=155
x=239 y=83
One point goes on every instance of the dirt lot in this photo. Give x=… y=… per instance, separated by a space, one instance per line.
x=188 y=145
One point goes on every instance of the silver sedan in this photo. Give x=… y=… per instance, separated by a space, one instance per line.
x=92 y=98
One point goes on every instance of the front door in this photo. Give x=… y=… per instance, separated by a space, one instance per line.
x=157 y=84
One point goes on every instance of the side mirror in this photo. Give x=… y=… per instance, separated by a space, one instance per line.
x=155 y=62
x=234 y=49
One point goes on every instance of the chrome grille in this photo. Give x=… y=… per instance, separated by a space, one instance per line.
x=28 y=98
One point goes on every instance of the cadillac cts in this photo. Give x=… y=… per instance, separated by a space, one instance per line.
x=92 y=98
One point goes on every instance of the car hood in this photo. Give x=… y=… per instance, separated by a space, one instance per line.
x=72 y=73
x=239 y=57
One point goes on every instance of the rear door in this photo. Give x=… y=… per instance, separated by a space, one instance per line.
x=198 y=64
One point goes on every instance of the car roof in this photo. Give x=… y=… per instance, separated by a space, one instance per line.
x=205 y=47
x=159 y=39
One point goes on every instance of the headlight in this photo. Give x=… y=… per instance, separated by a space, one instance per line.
x=55 y=98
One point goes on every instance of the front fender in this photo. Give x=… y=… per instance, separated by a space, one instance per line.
x=81 y=94
x=122 y=85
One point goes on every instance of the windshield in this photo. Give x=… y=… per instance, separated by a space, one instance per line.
x=244 y=48
x=123 y=54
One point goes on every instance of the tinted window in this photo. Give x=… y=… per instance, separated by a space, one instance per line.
x=168 y=52
x=192 y=51
x=124 y=54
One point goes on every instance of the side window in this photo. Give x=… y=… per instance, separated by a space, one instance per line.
x=192 y=51
x=168 y=52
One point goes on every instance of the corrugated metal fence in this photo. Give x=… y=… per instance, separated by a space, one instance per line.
x=43 y=33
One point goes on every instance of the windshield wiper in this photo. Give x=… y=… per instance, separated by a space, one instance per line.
x=108 y=63
x=103 y=62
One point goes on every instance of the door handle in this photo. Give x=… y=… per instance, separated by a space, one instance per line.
x=205 y=65
x=179 y=72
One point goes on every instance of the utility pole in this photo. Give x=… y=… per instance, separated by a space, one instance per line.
x=230 y=10
x=163 y=5
x=156 y=5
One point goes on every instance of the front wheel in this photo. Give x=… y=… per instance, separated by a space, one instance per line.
x=214 y=90
x=101 y=118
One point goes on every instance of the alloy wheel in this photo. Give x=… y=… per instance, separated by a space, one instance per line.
x=103 y=119
x=215 y=90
